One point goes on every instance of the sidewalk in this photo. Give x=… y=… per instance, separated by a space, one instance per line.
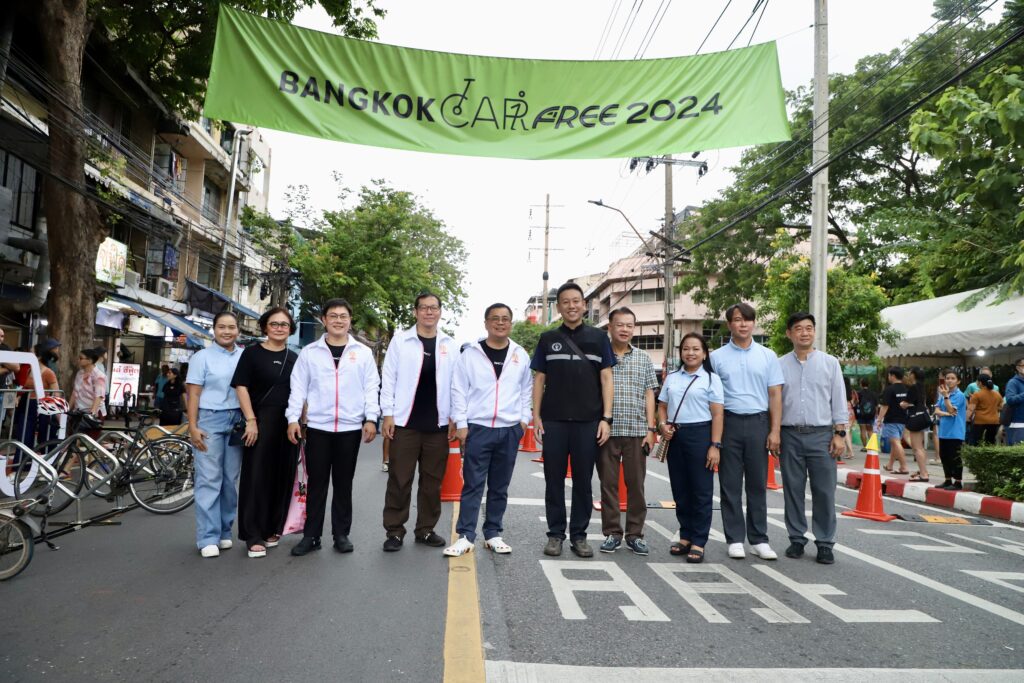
x=898 y=486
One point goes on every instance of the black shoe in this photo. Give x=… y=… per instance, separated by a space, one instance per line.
x=342 y=544
x=795 y=550
x=825 y=555
x=392 y=544
x=581 y=548
x=432 y=539
x=306 y=545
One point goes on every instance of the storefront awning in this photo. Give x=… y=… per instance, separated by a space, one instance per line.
x=195 y=335
x=201 y=297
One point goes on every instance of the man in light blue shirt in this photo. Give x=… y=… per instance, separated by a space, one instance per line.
x=753 y=382
x=814 y=421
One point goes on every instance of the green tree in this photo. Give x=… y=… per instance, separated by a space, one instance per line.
x=527 y=334
x=855 y=325
x=380 y=254
x=170 y=45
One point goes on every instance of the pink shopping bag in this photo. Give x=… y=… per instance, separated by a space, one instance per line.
x=296 y=519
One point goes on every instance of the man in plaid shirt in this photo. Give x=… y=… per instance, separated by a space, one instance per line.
x=634 y=424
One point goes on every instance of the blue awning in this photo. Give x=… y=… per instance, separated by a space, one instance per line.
x=194 y=334
x=244 y=310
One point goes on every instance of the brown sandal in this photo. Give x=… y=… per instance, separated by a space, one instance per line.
x=678 y=548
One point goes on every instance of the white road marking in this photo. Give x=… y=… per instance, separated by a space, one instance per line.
x=815 y=592
x=774 y=612
x=943 y=547
x=999 y=578
x=1015 y=548
x=532 y=672
x=642 y=609
x=955 y=593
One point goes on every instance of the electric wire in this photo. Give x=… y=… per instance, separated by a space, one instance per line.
x=712 y=29
x=754 y=32
x=757 y=4
x=612 y=14
x=627 y=29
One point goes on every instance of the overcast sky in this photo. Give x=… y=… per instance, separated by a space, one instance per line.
x=488 y=202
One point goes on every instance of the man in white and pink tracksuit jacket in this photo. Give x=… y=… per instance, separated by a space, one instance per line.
x=492 y=394
x=336 y=379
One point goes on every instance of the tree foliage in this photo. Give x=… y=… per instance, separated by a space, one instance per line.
x=527 y=334
x=854 y=326
x=380 y=254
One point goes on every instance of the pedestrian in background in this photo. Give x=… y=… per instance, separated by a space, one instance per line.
x=212 y=416
x=174 y=389
x=634 y=426
x=983 y=411
x=866 y=407
x=415 y=403
x=572 y=413
x=1015 y=399
x=159 y=384
x=892 y=417
x=691 y=409
x=336 y=379
x=28 y=423
x=814 y=421
x=262 y=380
x=918 y=421
x=952 y=411
x=90 y=389
x=492 y=397
x=972 y=388
x=752 y=380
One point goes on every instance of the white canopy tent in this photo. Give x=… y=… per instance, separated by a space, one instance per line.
x=936 y=331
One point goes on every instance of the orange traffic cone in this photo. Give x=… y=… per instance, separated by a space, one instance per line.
x=773 y=462
x=451 y=485
x=529 y=441
x=869 y=500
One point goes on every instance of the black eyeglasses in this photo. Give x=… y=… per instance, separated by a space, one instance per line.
x=279 y=324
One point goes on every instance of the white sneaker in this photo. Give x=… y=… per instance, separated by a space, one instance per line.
x=498 y=546
x=383 y=467
x=736 y=551
x=210 y=551
x=459 y=548
x=225 y=544
x=764 y=551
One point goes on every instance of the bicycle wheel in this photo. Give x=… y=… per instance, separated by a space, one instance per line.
x=96 y=468
x=16 y=547
x=162 y=474
x=68 y=461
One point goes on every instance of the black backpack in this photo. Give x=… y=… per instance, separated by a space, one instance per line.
x=866 y=407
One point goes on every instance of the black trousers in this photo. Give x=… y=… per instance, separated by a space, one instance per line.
x=560 y=440
x=265 y=484
x=949 y=453
x=985 y=433
x=330 y=458
x=693 y=484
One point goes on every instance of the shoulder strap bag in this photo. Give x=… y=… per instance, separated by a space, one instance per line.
x=576 y=350
x=663 y=443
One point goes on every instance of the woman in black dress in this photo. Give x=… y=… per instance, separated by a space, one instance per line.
x=170 y=404
x=268 y=459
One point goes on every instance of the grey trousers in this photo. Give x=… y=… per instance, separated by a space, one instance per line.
x=744 y=468
x=805 y=455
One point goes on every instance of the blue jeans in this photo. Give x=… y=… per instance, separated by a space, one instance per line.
x=217 y=468
x=490 y=457
x=1014 y=435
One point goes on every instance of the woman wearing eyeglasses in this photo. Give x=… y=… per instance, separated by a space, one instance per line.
x=261 y=381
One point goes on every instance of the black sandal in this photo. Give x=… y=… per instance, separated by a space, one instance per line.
x=695 y=556
x=678 y=548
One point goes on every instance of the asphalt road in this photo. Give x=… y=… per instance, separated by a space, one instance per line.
x=131 y=602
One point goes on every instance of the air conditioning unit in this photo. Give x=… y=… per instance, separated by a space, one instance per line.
x=164 y=288
x=131 y=279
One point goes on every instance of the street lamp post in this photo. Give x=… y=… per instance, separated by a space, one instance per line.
x=231 y=205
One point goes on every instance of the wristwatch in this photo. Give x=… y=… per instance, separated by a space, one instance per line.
x=607 y=419
x=717 y=444
x=652 y=430
x=840 y=432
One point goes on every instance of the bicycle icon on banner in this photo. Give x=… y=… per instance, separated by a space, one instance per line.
x=451 y=106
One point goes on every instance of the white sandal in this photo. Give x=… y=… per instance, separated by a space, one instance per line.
x=459 y=548
x=272 y=542
x=498 y=546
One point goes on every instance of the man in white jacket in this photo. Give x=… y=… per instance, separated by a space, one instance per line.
x=336 y=379
x=492 y=391
x=415 y=400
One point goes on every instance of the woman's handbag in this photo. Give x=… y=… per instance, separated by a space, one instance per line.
x=919 y=420
x=295 y=521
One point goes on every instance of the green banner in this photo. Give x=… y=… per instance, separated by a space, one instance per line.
x=275 y=75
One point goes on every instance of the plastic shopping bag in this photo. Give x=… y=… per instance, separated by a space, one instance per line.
x=296 y=519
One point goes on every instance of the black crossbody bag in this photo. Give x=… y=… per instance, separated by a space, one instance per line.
x=574 y=347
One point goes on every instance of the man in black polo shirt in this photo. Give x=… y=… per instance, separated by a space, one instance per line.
x=572 y=408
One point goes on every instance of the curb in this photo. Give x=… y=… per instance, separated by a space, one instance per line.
x=965 y=501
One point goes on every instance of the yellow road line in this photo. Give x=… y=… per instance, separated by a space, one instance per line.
x=463 y=639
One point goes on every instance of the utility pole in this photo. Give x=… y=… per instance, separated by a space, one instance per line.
x=819 y=183
x=670 y=295
x=545 y=312
x=236 y=145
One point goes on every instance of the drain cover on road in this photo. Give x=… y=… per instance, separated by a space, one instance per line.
x=940 y=519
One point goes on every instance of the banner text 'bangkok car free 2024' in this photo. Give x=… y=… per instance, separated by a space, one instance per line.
x=275 y=75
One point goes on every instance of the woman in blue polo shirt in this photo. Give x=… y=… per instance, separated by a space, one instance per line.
x=952 y=411
x=691 y=409
x=212 y=415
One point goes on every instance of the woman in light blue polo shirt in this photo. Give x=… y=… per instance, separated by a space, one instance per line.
x=952 y=411
x=691 y=409
x=212 y=414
